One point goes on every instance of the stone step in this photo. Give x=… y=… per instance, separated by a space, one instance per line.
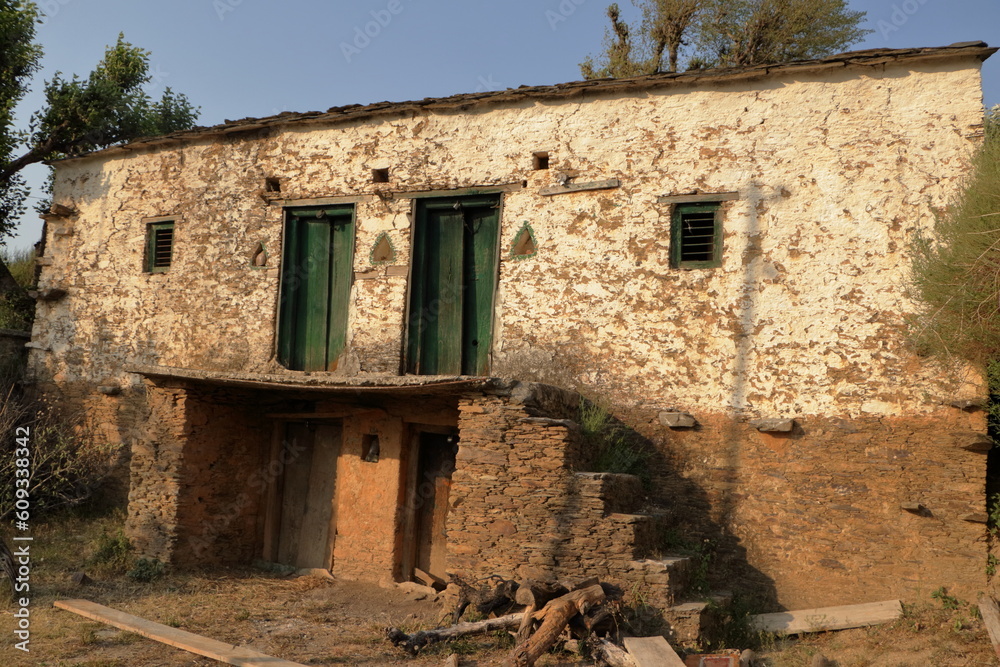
x=610 y=493
x=690 y=622
x=663 y=581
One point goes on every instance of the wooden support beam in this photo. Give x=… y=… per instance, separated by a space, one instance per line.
x=652 y=652
x=991 y=618
x=580 y=187
x=188 y=641
x=828 y=618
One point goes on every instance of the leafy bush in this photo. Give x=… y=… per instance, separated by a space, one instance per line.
x=956 y=273
x=66 y=465
x=113 y=554
x=615 y=447
x=146 y=570
x=17 y=310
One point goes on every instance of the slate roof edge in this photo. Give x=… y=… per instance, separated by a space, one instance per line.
x=864 y=58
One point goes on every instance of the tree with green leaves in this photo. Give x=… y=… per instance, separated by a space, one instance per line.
x=108 y=107
x=723 y=33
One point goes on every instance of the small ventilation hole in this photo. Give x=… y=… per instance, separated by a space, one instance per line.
x=380 y=175
x=540 y=160
x=272 y=185
x=259 y=256
x=382 y=251
x=524 y=243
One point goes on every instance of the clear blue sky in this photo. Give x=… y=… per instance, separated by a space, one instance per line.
x=239 y=58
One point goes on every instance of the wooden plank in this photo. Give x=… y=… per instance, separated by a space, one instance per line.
x=317 y=513
x=828 y=618
x=341 y=270
x=652 y=652
x=289 y=293
x=295 y=486
x=272 y=514
x=188 y=641
x=321 y=201
x=447 y=344
x=698 y=199
x=314 y=319
x=580 y=187
x=460 y=192
x=479 y=286
x=991 y=618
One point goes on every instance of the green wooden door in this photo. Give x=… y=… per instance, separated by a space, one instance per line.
x=316 y=286
x=454 y=279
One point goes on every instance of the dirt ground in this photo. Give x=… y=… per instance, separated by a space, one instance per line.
x=315 y=621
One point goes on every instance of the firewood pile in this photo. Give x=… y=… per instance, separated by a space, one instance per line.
x=537 y=613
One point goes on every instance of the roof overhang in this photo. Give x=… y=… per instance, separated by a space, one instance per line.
x=325 y=383
x=288 y=120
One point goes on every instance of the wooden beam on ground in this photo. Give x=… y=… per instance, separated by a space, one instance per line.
x=991 y=618
x=188 y=641
x=828 y=618
x=652 y=652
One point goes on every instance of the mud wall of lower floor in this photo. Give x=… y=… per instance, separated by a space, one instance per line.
x=837 y=511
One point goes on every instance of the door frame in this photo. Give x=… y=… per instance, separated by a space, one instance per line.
x=274 y=492
x=406 y=558
x=287 y=212
x=442 y=196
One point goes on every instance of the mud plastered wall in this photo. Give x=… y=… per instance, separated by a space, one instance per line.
x=836 y=173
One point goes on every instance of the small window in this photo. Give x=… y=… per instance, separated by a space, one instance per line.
x=159 y=246
x=696 y=236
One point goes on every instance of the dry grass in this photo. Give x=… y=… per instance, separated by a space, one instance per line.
x=317 y=622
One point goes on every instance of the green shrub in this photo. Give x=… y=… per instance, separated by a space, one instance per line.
x=146 y=570
x=17 y=310
x=956 y=272
x=113 y=554
x=614 y=447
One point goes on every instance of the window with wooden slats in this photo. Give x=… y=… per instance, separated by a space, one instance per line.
x=159 y=246
x=696 y=236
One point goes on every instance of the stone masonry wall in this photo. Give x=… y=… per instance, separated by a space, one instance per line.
x=520 y=509
x=198 y=477
x=820 y=515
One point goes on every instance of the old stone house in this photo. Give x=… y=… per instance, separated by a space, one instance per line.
x=350 y=339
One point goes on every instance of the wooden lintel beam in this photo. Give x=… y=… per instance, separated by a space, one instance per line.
x=580 y=187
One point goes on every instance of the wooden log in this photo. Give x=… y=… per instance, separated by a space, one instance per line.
x=828 y=618
x=428 y=579
x=538 y=593
x=524 y=632
x=652 y=652
x=413 y=643
x=556 y=616
x=611 y=655
x=991 y=619
x=210 y=648
x=501 y=597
